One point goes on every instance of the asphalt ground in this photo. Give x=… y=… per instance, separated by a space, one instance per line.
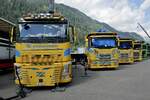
x=129 y=82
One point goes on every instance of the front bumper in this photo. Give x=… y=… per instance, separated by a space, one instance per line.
x=108 y=64
x=35 y=76
x=126 y=60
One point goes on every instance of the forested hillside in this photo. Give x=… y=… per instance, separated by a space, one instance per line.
x=13 y=9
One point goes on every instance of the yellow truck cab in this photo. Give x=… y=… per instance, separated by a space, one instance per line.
x=137 y=51
x=102 y=50
x=43 y=50
x=125 y=46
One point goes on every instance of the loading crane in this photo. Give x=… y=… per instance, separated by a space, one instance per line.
x=144 y=30
x=147 y=45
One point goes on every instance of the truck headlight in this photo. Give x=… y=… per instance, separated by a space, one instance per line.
x=66 y=69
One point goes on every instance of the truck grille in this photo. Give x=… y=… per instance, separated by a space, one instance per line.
x=41 y=77
x=41 y=59
x=104 y=56
x=124 y=55
x=102 y=63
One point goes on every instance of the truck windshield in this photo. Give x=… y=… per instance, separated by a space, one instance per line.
x=103 y=43
x=125 y=45
x=137 y=46
x=40 y=31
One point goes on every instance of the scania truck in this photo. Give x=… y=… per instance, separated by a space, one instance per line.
x=137 y=50
x=102 y=50
x=125 y=51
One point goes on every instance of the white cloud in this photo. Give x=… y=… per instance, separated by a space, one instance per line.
x=145 y=5
x=118 y=14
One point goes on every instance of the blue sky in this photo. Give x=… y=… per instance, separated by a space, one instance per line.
x=121 y=14
x=135 y=3
x=147 y=14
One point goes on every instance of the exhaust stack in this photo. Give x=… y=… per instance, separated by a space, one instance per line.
x=51 y=6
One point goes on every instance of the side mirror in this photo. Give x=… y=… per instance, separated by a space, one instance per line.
x=14 y=34
x=86 y=41
x=89 y=42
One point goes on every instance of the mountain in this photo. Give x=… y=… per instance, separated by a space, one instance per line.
x=13 y=9
x=131 y=35
x=86 y=24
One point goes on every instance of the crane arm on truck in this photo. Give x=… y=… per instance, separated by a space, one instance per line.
x=144 y=30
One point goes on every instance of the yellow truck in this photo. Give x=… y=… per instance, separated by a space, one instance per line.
x=102 y=50
x=125 y=46
x=43 y=48
x=137 y=45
